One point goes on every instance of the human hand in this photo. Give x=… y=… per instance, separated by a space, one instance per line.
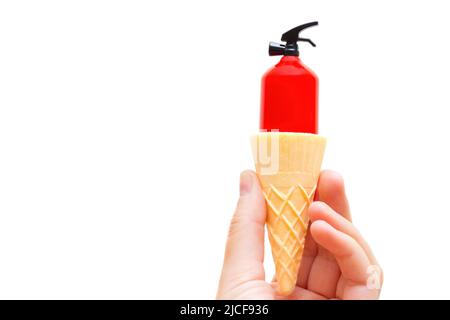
x=337 y=262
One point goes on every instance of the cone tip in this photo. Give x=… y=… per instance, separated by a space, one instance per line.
x=285 y=288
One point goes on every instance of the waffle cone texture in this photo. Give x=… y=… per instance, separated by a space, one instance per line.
x=288 y=167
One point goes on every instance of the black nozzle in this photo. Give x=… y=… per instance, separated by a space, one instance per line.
x=276 y=49
x=291 y=38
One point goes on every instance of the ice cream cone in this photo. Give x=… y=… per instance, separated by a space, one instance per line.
x=288 y=167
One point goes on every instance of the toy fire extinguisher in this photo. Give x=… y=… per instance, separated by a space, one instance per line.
x=289 y=92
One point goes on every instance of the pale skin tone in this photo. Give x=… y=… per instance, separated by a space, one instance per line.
x=337 y=262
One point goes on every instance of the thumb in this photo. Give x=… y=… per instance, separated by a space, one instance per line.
x=244 y=254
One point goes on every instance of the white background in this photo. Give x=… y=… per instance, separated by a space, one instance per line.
x=124 y=126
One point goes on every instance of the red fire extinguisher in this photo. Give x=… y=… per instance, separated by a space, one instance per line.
x=289 y=92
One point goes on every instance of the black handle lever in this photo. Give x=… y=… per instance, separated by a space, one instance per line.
x=291 y=38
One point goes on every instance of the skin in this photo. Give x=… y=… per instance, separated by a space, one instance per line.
x=337 y=262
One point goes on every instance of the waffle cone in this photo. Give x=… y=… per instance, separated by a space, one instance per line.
x=288 y=167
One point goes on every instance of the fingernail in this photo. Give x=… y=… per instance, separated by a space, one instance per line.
x=246 y=183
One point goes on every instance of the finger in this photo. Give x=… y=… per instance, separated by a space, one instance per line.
x=322 y=211
x=331 y=190
x=352 y=291
x=324 y=272
x=244 y=254
x=350 y=256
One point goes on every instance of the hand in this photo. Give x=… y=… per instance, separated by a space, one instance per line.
x=337 y=262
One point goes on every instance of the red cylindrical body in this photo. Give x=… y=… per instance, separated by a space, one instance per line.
x=289 y=98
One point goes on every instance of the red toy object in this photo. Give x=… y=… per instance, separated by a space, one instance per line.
x=289 y=91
